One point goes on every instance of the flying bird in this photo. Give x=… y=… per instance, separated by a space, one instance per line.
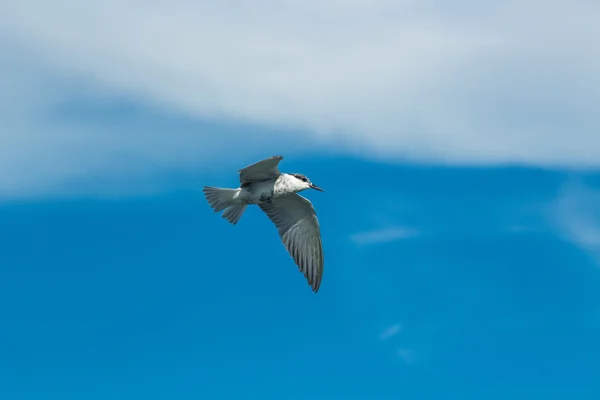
x=276 y=193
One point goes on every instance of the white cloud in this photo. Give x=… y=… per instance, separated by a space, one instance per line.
x=517 y=81
x=382 y=235
x=390 y=332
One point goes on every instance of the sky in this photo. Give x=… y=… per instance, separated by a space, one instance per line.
x=459 y=152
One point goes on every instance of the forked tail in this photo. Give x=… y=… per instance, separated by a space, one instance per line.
x=225 y=199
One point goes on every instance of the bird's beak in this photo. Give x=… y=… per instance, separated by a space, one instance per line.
x=316 y=188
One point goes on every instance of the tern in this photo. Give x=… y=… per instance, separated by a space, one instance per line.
x=277 y=195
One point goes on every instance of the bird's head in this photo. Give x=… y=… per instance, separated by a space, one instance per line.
x=303 y=183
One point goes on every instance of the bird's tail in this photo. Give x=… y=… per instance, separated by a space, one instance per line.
x=225 y=199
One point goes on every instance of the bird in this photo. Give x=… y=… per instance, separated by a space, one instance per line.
x=276 y=194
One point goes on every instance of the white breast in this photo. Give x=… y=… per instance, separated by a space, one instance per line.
x=256 y=192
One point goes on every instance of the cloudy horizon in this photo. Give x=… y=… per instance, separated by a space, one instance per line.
x=395 y=81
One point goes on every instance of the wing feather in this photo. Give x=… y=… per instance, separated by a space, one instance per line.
x=261 y=171
x=298 y=226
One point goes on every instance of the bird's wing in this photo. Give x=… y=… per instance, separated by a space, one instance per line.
x=261 y=171
x=296 y=220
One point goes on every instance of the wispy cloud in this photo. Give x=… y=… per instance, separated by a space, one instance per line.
x=408 y=356
x=382 y=235
x=390 y=332
x=383 y=78
x=577 y=213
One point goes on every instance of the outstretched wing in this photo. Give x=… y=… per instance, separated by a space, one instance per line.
x=261 y=171
x=298 y=226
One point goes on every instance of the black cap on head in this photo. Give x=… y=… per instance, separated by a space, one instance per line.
x=305 y=179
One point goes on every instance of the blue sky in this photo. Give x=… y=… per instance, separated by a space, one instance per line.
x=459 y=154
x=156 y=296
